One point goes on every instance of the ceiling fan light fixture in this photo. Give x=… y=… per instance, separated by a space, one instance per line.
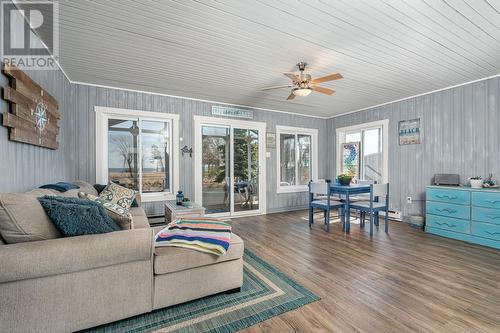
x=302 y=91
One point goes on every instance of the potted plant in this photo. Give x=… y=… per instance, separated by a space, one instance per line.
x=344 y=179
x=476 y=182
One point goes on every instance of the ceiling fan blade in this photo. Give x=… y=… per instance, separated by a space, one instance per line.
x=292 y=76
x=323 y=90
x=277 y=87
x=330 y=77
x=291 y=96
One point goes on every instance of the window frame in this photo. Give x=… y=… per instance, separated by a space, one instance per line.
x=341 y=133
x=105 y=113
x=313 y=132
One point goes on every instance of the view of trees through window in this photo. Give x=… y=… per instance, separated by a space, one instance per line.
x=151 y=141
x=216 y=164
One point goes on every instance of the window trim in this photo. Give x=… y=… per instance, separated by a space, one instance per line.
x=102 y=114
x=342 y=131
x=313 y=132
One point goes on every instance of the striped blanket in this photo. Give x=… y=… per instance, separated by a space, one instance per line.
x=201 y=234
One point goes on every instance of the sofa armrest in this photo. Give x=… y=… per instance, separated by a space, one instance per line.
x=30 y=260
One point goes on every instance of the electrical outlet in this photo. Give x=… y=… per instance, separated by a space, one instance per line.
x=408 y=200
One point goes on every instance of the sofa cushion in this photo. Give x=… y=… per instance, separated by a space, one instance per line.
x=75 y=217
x=170 y=259
x=139 y=218
x=23 y=219
x=32 y=260
x=119 y=195
x=119 y=214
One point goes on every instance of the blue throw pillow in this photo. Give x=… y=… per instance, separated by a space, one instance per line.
x=74 y=216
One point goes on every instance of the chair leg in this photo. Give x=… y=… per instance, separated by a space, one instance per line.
x=311 y=216
x=377 y=219
x=327 y=220
x=386 y=221
x=362 y=219
x=371 y=223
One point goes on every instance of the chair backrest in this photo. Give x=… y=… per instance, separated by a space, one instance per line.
x=380 y=190
x=318 y=188
x=365 y=182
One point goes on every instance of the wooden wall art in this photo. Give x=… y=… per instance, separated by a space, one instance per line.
x=34 y=113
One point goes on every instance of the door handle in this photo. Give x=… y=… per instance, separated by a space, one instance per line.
x=451 y=197
x=492 y=201
x=451 y=211
x=446 y=224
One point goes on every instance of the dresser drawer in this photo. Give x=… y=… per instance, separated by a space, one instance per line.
x=448 y=223
x=491 y=231
x=448 y=210
x=486 y=199
x=449 y=196
x=486 y=215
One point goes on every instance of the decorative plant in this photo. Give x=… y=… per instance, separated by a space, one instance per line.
x=344 y=179
x=476 y=182
x=489 y=181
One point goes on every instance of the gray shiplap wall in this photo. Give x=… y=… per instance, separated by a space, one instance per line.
x=23 y=166
x=88 y=97
x=460 y=130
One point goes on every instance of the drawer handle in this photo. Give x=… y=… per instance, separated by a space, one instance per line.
x=451 y=197
x=492 y=201
x=493 y=217
x=448 y=210
x=492 y=233
x=446 y=224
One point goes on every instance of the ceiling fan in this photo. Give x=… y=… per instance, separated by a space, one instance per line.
x=303 y=84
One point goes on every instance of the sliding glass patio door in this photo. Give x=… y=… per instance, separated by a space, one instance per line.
x=228 y=166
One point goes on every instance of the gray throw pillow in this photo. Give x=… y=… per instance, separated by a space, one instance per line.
x=22 y=218
x=74 y=217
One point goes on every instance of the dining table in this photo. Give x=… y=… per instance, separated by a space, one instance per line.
x=347 y=190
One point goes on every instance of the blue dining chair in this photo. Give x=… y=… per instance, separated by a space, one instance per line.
x=374 y=206
x=319 y=197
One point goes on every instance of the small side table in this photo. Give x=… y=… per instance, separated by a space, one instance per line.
x=173 y=211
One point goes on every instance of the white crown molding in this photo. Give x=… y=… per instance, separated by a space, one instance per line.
x=414 y=96
x=196 y=99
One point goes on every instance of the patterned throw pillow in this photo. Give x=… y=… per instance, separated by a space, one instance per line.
x=119 y=195
x=117 y=213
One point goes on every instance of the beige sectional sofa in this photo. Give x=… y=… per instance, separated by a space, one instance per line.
x=69 y=284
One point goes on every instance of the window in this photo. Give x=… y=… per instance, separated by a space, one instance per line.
x=365 y=156
x=137 y=150
x=296 y=158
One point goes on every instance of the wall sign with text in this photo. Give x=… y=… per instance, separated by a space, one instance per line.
x=409 y=132
x=226 y=111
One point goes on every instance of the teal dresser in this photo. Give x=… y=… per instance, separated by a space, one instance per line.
x=464 y=213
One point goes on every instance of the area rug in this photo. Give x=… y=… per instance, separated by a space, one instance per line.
x=266 y=293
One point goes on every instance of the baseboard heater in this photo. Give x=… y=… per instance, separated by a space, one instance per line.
x=393 y=215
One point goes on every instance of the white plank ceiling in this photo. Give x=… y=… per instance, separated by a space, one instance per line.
x=226 y=51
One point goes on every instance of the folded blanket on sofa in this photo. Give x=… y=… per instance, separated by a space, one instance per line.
x=201 y=234
x=60 y=186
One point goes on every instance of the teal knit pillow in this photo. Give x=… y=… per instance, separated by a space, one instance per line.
x=74 y=217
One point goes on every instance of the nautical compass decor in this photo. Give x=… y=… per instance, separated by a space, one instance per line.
x=34 y=114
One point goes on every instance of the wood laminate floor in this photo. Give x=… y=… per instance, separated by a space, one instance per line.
x=404 y=281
